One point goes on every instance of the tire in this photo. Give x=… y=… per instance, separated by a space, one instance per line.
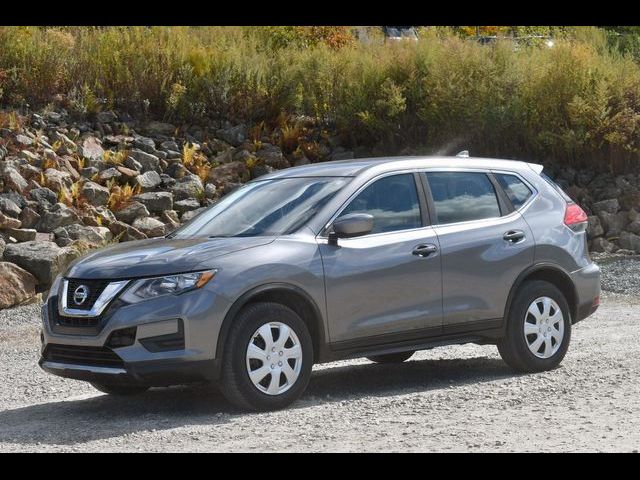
x=391 y=357
x=266 y=391
x=119 y=390
x=528 y=352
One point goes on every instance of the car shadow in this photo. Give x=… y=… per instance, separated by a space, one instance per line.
x=76 y=421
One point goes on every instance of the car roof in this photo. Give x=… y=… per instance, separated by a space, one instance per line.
x=352 y=168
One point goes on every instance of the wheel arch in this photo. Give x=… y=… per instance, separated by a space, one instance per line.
x=553 y=274
x=286 y=294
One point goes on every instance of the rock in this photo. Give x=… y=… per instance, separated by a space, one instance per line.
x=95 y=194
x=89 y=172
x=170 y=145
x=272 y=156
x=58 y=216
x=9 y=208
x=601 y=244
x=210 y=191
x=177 y=170
x=16 y=285
x=149 y=180
x=182 y=206
x=156 y=202
x=16 y=198
x=131 y=212
x=13 y=180
x=132 y=234
x=9 y=222
x=105 y=215
x=132 y=164
x=44 y=196
x=44 y=260
x=24 y=140
x=29 y=217
x=188 y=187
x=22 y=234
x=94 y=235
x=149 y=226
x=109 y=173
x=128 y=173
x=611 y=206
x=29 y=172
x=147 y=161
x=233 y=135
x=630 y=200
x=92 y=149
x=612 y=223
x=56 y=180
x=594 y=228
x=170 y=218
x=192 y=214
x=3 y=244
x=629 y=241
x=106 y=117
x=634 y=227
x=159 y=128
x=230 y=172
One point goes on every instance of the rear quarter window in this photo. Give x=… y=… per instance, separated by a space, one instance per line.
x=517 y=191
x=557 y=188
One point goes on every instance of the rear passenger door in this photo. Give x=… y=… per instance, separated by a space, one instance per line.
x=484 y=242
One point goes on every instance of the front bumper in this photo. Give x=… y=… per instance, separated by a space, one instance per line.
x=174 y=342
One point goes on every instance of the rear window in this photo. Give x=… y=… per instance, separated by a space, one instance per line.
x=557 y=188
x=517 y=191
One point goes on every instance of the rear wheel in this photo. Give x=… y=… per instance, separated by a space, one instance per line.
x=119 y=390
x=268 y=358
x=391 y=357
x=538 y=328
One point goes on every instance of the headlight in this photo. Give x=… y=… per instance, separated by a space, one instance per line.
x=169 y=285
x=55 y=287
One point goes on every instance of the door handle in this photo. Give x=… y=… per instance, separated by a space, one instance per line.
x=425 y=250
x=514 y=236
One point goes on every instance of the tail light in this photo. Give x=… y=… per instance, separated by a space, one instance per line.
x=575 y=218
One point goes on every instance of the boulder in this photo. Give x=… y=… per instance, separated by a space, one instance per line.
x=630 y=200
x=91 y=149
x=106 y=117
x=56 y=180
x=149 y=226
x=188 y=187
x=94 y=235
x=610 y=206
x=627 y=240
x=156 y=202
x=147 y=161
x=594 y=228
x=9 y=207
x=29 y=218
x=95 y=194
x=233 y=135
x=16 y=285
x=58 y=216
x=229 y=172
x=22 y=234
x=44 y=196
x=612 y=224
x=13 y=179
x=149 y=180
x=131 y=212
x=9 y=222
x=158 y=128
x=44 y=260
x=190 y=215
x=634 y=227
x=183 y=206
x=109 y=174
x=272 y=156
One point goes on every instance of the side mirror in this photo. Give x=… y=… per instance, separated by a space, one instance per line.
x=351 y=225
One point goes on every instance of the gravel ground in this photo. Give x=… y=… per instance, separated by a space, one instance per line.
x=460 y=398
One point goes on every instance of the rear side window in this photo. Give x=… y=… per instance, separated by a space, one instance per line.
x=462 y=196
x=516 y=189
x=393 y=202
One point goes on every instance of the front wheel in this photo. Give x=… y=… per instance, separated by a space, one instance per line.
x=538 y=328
x=268 y=358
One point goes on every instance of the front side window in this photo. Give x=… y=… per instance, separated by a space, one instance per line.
x=462 y=196
x=516 y=189
x=393 y=202
x=264 y=208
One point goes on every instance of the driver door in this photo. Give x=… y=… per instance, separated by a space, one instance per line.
x=380 y=283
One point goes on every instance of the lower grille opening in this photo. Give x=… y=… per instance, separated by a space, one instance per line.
x=81 y=355
x=165 y=343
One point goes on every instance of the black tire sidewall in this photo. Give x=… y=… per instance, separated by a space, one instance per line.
x=526 y=296
x=250 y=320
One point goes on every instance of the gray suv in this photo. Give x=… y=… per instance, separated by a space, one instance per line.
x=371 y=258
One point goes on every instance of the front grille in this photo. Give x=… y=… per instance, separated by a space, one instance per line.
x=81 y=355
x=72 y=325
x=95 y=287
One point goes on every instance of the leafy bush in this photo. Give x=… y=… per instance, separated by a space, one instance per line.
x=577 y=103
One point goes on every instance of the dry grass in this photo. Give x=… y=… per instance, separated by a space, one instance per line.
x=120 y=196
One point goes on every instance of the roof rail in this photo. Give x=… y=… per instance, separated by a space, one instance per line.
x=463 y=153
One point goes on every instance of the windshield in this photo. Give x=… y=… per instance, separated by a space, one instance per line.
x=264 y=208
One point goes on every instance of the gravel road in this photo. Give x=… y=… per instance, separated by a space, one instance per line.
x=461 y=398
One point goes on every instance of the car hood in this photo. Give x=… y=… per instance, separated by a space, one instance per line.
x=158 y=256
